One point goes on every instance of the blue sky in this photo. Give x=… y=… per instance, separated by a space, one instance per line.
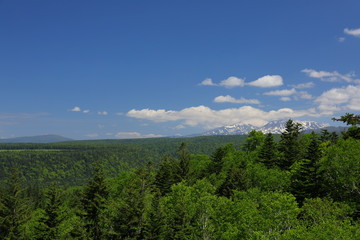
x=128 y=69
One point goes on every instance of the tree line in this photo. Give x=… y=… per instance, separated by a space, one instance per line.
x=300 y=186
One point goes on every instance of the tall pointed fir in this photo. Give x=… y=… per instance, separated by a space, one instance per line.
x=49 y=224
x=93 y=202
x=289 y=145
x=184 y=161
x=305 y=181
x=14 y=207
x=267 y=154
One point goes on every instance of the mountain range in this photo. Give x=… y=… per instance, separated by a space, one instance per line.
x=36 y=139
x=275 y=127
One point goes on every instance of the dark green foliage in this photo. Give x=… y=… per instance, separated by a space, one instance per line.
x=217 y=159
x=349 y=119
x=253 y=140
x=49 y=223
x=326 y=136
x=93 y=202
x=167 y=175
x=236 y=179
x=289 y=144
x=184 y=160
x=14 y=207
x=306 y=178
x=267 y=154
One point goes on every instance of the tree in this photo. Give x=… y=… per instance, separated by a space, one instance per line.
x=254 y=140
x=267 y=154
x=305 y=179
x=50 y=222
x=14 y=207
x=349 y=119
x=289 y=144
x=184 y=160
x=93 y=202
x=217 y=159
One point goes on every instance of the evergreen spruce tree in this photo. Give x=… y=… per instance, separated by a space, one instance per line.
x=14 y=207
x=93 y=202
x=305 y=179
x=167 y=175
x=53 y=215
x=184 y=161
x=217 y=159
x=289 y=144
x=267 y=154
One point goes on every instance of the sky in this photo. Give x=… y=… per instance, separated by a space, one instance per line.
x=132 y=69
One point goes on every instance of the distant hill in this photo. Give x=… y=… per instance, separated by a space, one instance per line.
x=37 y=139
x=275 y=127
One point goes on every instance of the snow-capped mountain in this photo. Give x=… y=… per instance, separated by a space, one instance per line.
x=275 y=127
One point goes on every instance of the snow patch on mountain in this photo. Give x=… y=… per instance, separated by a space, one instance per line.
x=275 y=127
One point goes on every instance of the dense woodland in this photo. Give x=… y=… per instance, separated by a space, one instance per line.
x=290 y=186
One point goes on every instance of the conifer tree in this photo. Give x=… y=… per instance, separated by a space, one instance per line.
x=14 y=207
x=289 y=144
x=93 y=202
x=306 y=180
x=267 y=152
x=53 y=215
x=167 y=175
x=184 y=160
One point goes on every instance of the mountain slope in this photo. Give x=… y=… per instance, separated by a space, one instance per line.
x=36 y=139
x=275 y=127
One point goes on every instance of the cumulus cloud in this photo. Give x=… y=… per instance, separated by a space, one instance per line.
x=126 y=135
x=76 y=109
x=303 y=85
x=86 y=111
x=330 y=76
x=208 y=118
x=230 y=99
x=267 y=81
x=285 y=99
x=285 y=92
x=232 y=82
x=207 y=82
x=338 y=99
x=352 y=32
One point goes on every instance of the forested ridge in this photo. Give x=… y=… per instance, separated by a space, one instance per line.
x=291 y=186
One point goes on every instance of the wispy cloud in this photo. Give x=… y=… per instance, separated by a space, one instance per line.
x=330 y=76
x=231 y=82
x=303 y=85
x=125 y=135
x=267 y=81
x=208 y=118
x=285 y=92
x=352 y=32
x=104 y=113
x=230 y=99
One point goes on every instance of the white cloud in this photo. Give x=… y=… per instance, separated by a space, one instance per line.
x=207 y=82
x=267 y=81
x=208 y=118
x=126 y=135
x=304 y=95
x=230 y=99
x=303 y=85
x=285 y=99
x=282 y=93
x=103 y=113
x=75 y=109
x=330 y=76
x=352 y=32
x=86 y=111
x=340 y=99
x=232 y=82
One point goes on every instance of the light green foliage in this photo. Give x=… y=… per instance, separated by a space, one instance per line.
x=340 y=168
x=254 y=140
